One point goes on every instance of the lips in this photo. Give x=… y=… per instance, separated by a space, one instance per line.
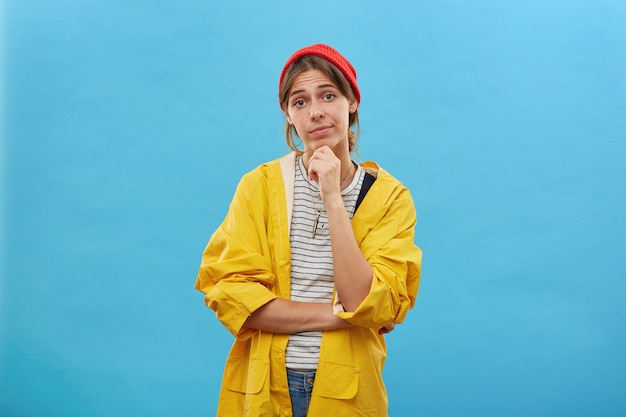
x=321 y=129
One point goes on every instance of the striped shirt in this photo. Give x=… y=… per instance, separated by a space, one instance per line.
x=311 y=258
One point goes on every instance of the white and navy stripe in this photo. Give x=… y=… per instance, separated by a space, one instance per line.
x=311 y=258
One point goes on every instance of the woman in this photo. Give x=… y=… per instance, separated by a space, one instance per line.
x=314 y=261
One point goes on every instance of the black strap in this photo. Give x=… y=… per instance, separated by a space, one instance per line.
x=367 y=183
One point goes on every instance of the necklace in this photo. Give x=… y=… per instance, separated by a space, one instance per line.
x=321 y=210
x=347 y=173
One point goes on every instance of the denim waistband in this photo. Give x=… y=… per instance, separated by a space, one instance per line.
x=301 y=379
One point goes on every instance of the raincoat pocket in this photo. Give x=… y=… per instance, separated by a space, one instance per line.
x=245 y=375
x=335 y=380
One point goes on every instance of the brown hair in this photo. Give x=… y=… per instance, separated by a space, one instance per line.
x=309 y=62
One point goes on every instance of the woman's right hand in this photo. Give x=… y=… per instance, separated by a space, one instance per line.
x=387 y=329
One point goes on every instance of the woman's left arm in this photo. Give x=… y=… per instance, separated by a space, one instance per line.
x=376 y=280
x=353 y=274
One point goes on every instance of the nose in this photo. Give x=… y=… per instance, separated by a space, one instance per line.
x=316 y=112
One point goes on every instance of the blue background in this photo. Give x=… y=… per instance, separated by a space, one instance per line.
x=127 y=124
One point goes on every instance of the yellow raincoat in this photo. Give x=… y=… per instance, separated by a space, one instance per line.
x=247 y=264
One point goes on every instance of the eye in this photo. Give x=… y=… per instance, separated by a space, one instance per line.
x=329 y=96
x=298 y=103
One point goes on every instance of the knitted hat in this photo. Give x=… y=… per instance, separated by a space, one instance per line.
x=332 y=56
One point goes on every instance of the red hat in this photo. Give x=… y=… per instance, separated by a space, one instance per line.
x=331 y=55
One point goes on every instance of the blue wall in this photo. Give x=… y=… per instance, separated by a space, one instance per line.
x=127 y=125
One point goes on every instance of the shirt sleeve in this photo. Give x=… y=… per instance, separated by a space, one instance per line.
x=236 y=270
x=396 y=263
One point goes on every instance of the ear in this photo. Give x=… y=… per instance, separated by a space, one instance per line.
x=287 y=117
x=353 y=106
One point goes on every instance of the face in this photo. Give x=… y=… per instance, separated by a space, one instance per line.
x=319 y=112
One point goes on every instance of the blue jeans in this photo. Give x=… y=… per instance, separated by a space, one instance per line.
x=300 y=388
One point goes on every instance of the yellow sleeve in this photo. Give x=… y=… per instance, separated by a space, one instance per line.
x=236 y=272
x=396 y=261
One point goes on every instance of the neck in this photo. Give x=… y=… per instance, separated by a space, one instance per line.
x=346 y=176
